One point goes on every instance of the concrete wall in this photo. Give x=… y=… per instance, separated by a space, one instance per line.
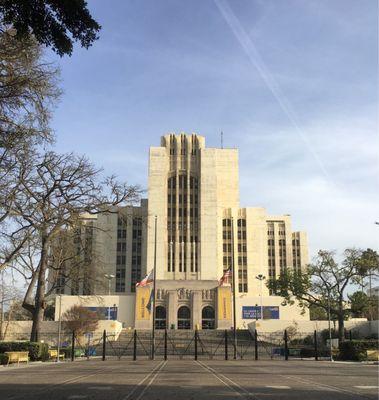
x=124 y=303
x=20 y=330
x=285 y=312
x=359 y=326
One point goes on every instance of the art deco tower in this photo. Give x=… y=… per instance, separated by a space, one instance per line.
x=189 y=186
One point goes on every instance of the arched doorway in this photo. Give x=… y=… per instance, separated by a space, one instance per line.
x=160 y=317
x=208 y=318
x=184 y=318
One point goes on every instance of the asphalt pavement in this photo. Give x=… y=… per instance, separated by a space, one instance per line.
x=189 y=379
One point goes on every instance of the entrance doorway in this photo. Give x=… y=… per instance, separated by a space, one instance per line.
x=208 y=318
x=160 y=317
x=184 y=318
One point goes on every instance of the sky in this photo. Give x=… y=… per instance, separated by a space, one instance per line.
x=292 y=84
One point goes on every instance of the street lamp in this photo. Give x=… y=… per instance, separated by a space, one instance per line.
x=59 y=326
x=109 y=277
x=261 y=278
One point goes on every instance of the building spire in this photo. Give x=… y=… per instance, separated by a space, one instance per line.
x=222 y=139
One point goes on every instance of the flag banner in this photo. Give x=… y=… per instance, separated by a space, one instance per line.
x=151 y=301
x=147 y=279
x=225 y=278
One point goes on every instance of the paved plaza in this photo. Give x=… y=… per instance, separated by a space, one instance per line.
x=188 y=379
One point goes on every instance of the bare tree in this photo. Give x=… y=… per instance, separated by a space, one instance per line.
x=80 y=319
x=54 y=196
x=28 y=91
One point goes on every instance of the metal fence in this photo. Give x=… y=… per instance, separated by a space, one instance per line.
x=186 y=344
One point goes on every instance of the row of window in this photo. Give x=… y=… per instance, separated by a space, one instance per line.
x=228 y=222
x=183 y=151
x=182 y=212
x=182 y=198
x=183 y=182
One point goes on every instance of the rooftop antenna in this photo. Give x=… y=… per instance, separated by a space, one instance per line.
x=222 y=139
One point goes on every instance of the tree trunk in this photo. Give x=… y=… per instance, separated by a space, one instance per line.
x=39 y=305
x=341 y=321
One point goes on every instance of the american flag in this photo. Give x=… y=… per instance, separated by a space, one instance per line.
x=147 y=279
x=225 y=278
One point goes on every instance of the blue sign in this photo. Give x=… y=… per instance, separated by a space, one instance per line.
x=107 y=313
x=254 y=312
x=270 y=312
x=251 y=312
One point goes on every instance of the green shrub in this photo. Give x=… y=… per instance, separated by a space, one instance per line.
x=355 y=350
x=37 y=351
x=3 y=359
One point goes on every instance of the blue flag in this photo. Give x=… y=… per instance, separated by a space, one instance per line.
x=151 y=300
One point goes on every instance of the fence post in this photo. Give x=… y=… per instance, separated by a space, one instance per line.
x=315 y=343
x=256 y=344
x=195 y=344
x=104 y=345
x=226 y=344
x=73 y=346
x=135 y=345
x=285 y=345
x=165 y=344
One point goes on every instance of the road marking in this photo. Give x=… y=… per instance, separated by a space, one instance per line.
x=324 y=386
x=67 y=381
x=156 y=368
x=218 y=375
x=151 y=380
x=278 y=387
x=366 y=387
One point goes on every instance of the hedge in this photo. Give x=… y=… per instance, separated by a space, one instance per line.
x=37 y=351
x=356 y=350
x=3 y=359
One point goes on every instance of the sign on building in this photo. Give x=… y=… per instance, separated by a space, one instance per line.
x=254 y=312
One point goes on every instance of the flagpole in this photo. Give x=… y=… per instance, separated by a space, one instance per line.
x=234 y=295
x=154 y=288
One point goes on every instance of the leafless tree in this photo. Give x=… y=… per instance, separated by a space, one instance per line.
x=80 y=320
x=54 y=195
x=28 y=91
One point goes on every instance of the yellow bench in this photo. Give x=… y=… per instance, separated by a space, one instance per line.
x=54 y=354
x=373 y=355
x=17 y=356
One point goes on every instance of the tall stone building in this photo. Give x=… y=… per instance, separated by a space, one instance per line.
x=193 y=194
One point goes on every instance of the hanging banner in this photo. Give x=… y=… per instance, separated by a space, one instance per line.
x=224 y=303
x=142 y=300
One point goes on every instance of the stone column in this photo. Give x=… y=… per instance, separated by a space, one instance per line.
x=172 y=309
x=196 y=300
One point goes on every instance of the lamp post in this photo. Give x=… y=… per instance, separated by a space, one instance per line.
x=330 y=328
x=261 y=278
x=109 y=277
x=59 y=326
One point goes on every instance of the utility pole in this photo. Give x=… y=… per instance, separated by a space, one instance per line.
x=261 y=278
x=154 y=288
x=234 y=294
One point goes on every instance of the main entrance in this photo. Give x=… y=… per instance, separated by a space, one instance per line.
x=184 y=317
x=208 y=318
x=160 y=318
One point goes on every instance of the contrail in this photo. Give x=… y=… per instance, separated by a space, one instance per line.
x=255 y=58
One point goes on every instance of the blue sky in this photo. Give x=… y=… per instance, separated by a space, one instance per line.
x=292 y=84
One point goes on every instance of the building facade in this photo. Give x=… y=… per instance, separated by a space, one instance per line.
x=193 y=197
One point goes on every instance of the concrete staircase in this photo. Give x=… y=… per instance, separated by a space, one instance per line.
x=181 y=344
